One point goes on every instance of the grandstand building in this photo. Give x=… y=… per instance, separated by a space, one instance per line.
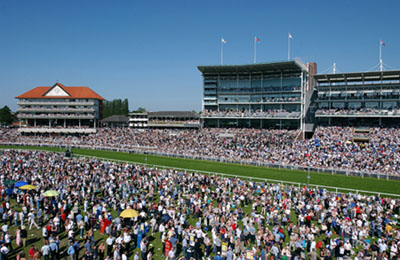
x=358 y=98
x=164 y=119
x=263 y=95
x=59 y=109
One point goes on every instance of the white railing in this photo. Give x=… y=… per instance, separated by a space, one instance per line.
x=65 y=110
x=55 y=116
x=57 y=103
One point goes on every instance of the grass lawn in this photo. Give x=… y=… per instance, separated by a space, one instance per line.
x=340 y=181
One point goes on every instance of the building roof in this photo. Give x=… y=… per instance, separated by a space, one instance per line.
x=173 y=114
x=358 y=76
x=282 y=66
x=116 y=119
x=71 y=92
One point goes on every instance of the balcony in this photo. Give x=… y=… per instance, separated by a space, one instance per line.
x=363 y=112
x=55 y=116
x=55 y=103
x=270 y=114
x=61 y=110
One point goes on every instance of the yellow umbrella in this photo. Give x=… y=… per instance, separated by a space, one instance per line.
x=28 y=187
x=129 y=213
x=51 y=193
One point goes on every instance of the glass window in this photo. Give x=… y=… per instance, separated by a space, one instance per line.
x=355 y=105
x=338 y=105
x=244 y=84
x=389 y=105
x=228 y=84
x=323 y=105
x=255 y=84
x=371 y=104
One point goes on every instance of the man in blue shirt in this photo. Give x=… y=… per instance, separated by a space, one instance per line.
x=71 y=251
x=53 y=249
x=218 y=256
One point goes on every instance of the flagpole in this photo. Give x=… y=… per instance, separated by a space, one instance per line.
x=222 y=52
x=380 y=56
x=255 y=49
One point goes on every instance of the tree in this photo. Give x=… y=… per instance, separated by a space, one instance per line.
x=125 y=107
x=115 y=107
x=6 y=116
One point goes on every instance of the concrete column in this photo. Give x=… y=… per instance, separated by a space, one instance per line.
x=34 y=122
x=79 y=122
x=65 y=123
x=49 y=123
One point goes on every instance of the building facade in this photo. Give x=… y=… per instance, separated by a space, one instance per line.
x=358 y=98
x=265 y=95
x=164 y=119
x=59 y=106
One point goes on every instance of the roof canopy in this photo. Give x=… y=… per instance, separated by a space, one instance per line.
x=358 y=76
x=58 y=90
x=283 y=66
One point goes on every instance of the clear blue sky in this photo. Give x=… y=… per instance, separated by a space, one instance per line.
x=147 y=51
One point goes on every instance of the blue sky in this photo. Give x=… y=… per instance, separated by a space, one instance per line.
x=147 y=51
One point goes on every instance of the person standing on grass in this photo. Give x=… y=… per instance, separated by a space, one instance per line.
x=32 y=252
x=71 y=251
x=24 y=235
x=18 y=237
x=7 y=240
x=46 y=251
x=53 y=249
x=143 y=248
x=4 y=251
x=109 y=242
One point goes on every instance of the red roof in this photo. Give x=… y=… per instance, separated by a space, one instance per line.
x=74 y=92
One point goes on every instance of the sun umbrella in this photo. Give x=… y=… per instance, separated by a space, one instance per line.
x=165 y=218
x=28 y=187
x=129 y=213
x=51 y=193
x=20 y=184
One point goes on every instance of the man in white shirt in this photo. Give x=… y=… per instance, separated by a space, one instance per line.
x=4 y=251
x=109 y=242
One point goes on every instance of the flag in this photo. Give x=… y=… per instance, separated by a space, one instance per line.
x=383 y=43
x=257 y=40
x=290 y=36
x=223 y=40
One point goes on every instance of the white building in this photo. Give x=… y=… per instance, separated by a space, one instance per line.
x=58 y=107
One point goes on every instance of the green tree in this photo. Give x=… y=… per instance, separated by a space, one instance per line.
x=125 y=107
x=115 y=107
x=6 y=116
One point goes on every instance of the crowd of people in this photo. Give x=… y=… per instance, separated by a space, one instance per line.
x=360 y=111
x=257 y=113
x=185 y=216
x=330 y=147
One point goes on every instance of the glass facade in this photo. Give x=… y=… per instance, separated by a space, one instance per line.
x=237 y=97
x=359 y=98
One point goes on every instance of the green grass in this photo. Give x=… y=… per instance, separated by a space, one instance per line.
x=335 y=180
